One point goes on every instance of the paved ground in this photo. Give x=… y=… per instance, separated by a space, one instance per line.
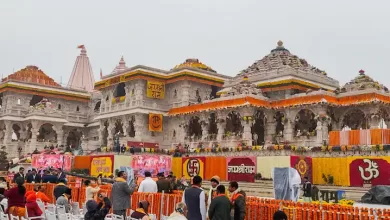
x=265 y=189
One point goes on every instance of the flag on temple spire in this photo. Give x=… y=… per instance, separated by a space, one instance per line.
x=101 y=73
x=80 y=46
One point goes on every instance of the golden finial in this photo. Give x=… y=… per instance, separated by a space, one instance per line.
x=280 y=43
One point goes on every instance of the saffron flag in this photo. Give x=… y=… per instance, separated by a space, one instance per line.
x=80 y=46
x=155 y=122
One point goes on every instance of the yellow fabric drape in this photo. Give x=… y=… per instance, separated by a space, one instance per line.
x=216 y=166
x=122 y=160
x=177 y=166
x=337 y=167
x=266 y=164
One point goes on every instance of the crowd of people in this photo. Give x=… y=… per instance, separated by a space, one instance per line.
x=219 y=203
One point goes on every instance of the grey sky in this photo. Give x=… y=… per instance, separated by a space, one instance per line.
x=340 y=37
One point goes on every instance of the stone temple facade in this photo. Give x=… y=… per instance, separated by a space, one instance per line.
x=280 y=98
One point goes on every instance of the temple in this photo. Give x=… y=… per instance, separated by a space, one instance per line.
x=279 y=99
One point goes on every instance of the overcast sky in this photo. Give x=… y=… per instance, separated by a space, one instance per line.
x=340 y=37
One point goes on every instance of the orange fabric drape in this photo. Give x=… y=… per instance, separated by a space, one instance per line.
x=386 y=136
x=334 y=138
x=82 y=162
x=376 y=136
x=216 y=166
x=354 y=137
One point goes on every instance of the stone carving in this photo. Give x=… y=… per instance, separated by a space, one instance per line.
x=243 y=88
x=362 y=82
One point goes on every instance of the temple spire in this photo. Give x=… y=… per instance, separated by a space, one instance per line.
x=82 y=75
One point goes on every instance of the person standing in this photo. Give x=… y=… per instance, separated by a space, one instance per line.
x=237 y=200
x=60 y=189
x=20 y=174
x=195 y=199
x=16 y=199
x=148 y=185
x=33 y=177
x=307 y=188
x=220 y=206
x=213 y=190
x=40 y=192
x=90 y=191
x=120 y=194
x=163 y=184
x=98 y=211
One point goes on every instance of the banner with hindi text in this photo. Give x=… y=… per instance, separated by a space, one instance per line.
x=193 y=166
x=43 y=161
x=241 y=169
x=155 y=90
x=152 y=163
x=155 y=122
x=102 y=165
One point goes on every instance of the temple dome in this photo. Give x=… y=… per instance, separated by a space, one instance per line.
x=121 y=67
x=279 y=58
x=32 y=74
x=362 y=82
x=194 y=63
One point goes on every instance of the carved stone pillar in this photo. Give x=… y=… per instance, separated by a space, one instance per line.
x=60 y=134
x=7 y=132
x=101 y=133
x=221 y=125
x=288 y=132
x=319 y=133
x=185 y=96
x=374 y=120
x=110 y=129
x=247 y=133
x=205 y=130
x=270 y=130
x=325 y=129
x=125 y=126
x=140 y=126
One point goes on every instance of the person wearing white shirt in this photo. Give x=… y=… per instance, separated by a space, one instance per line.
x=195 y=200
x=148 y=185
x=179 y=213
x=90 y=191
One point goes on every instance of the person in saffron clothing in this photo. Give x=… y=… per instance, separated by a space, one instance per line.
x=142 y=211
x=16 y=200
x=39 y=190
x=237 y=199
x=33 y=209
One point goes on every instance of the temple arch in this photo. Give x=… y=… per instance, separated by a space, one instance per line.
x=305 y=123
x=97 y=106
x=280 y=120
x=16 y=129
x=195 y=128
x=35 y=100
x=118 y=127
x=354 y=119
x=120 y=90
x=258 y=128
x=131 y=127
x=74 y=138
x=233 y=124
x=46 y=133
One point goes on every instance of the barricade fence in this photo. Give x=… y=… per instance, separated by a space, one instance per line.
x=256 y=208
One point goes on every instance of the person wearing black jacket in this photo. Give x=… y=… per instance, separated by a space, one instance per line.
x=20 y=174
x=98 y=211
x=33 y=177
x=60 y=189
x=307 y=190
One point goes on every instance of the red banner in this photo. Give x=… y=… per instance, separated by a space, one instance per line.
x=369 y=171
x=241 y=169
x=193 y=166
x=303 y=165
x=142 y=144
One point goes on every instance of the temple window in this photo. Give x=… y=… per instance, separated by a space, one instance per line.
x=59 y=106
x=97 y=106
x=305 y=123
x=280 y=120
x=195 y=128
x=258 y=128
x=354 y=119
x=118 y=127
x=120 y=90
x=107 y=98
x=35 y=99
x=132 y=92
x=77 y=109
x=214 y=90
x=233 y=124
x=213 y=128
x=131 y=127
